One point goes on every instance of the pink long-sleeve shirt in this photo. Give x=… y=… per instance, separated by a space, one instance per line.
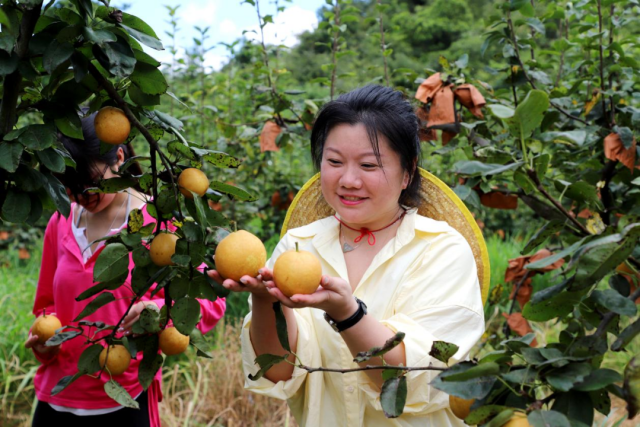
x=64 y=276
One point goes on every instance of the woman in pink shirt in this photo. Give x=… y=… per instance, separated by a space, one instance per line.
x=68 y=258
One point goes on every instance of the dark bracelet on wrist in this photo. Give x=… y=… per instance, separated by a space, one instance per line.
x=349 y=322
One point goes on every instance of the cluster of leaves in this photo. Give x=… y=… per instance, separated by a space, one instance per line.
x=54 y=60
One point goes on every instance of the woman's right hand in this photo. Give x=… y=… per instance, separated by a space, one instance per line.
x=32 y=342
x=254 y=285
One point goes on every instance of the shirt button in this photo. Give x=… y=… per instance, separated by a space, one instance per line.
x=350 y=389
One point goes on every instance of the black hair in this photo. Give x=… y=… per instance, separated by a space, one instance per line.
x=383 y=111
x=86 y=154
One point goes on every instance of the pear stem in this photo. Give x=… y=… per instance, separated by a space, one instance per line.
x=297 y=250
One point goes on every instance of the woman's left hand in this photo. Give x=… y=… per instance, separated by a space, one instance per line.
x=334 y=296
x=133 y=315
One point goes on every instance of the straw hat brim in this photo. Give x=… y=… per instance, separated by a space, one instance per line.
x=438 y=202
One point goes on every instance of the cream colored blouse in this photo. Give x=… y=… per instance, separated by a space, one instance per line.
x=423 y=282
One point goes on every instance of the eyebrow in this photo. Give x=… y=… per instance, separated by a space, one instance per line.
x=368 y=153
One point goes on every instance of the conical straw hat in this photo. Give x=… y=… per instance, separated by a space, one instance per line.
x=439 y=202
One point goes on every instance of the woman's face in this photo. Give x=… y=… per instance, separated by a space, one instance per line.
x=95 y=202
x=363 y=193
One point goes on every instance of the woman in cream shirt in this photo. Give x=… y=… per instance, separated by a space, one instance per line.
x=414 y=274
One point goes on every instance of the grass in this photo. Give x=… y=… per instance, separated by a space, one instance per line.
x=202 y=392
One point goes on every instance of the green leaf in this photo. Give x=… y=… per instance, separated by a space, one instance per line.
x=613 y=301
x=599 y=379
x=116 y=57
x=542 y=235
x=281 y=326
x=55 y=55
x=60 y=337
x=482 y=415
x=138 y=24
x=114 y=185
x=197 y=340
x=103 y=286
x=482 y=370
x=16 y=206
x=232 y=191
x=143 y=38
x=221 y=160
x=52 y=160
x=558 y=306
x=141 y=56
x=529 y=113
x=141 y=98
x=582 y=191
x=10 y=154
x=8 y=63
x=544 y=262
x=564 y=378
x=149 y=366
x=166 y=121
x=548 y=418
x=98 y=302
x=501 y=111
x=135 y=222
x=266 y=361
x=393 y=396
x=118 y=393
x=576 y=406
x=112 y=262
x=577 y=137
x=89 y=361
x=475 y=167
x=626 y=336
x=150 y=81
x=475 y=388
x=64 y=383
x=149 y=319
x=600 y=258
x=389 y=345
x=70 y=125
x=185 y=314
x=443 y=351
x=38 y=137
x=58 y=194
x=98 y=36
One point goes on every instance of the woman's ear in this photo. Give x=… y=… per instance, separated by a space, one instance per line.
x=120 y=156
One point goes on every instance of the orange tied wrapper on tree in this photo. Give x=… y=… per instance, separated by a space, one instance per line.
x=517 y=271
x=442 y=114
x=471 y=98
x=270 y=132
x=519 y=325
x=614 y=150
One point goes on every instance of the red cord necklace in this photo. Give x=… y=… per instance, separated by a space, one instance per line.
x=371 y=238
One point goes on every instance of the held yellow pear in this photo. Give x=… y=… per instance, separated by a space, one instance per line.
x=518 y=420
x=460 y=407
x=112 y=125
x=195 y=180
x=45 y=327
x=162 y=248
x=297 y=272
x=117 y=361
x=239 y=254
x=172 y=342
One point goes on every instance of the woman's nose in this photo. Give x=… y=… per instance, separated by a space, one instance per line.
x=350 y=178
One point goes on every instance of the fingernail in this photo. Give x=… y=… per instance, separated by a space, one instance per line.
x=120 y=330
x=260 y=272
x=259 y=277
x=325 y=280
x=243 y=281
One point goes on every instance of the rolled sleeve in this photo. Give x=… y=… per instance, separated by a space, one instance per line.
x=307 y=352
